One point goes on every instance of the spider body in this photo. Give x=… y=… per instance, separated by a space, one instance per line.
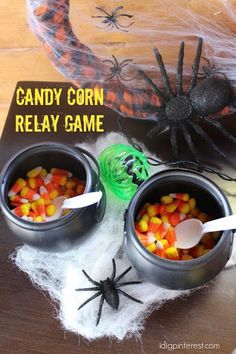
x=211 y=95
x=181 y=112
x=110 y=293
x=109 y=290
x=111 y=20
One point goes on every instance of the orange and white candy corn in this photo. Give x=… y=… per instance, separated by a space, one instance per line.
x=22 y=210
x=17 y=198
x=180 y=196
x=39 y=207
x=60 y=171
x=29 y=194
x=51 y=209
x=45 y=195
x=35 y=182
x=34 y=172
x=146 y=239
x=17 y=187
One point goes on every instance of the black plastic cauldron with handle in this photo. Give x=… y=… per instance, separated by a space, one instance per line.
x=178 y=274
x=71 y=229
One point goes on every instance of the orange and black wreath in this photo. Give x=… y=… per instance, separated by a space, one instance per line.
x=174 y=109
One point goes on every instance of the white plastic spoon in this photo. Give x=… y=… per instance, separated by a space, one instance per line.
x=189 y=232
x=80 y=201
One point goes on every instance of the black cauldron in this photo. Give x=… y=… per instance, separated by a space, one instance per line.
x=178 y=274
x=71 y=229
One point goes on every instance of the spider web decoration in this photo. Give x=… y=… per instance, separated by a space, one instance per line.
x=86 y=65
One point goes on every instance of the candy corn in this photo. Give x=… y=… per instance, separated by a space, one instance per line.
x=155 y=227
x=39 y=207
x=22 y=210
x=35 y=172
x=32 y=197
x=60 y=172
x=29 y=194
x=17 y=187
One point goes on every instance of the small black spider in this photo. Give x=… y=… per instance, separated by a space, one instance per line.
x=112 y=20
x=210 y=70
x=109 y=289
x=117 y=68
x=182 y=111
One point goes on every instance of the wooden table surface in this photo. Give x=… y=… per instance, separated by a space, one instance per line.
x=27 y=318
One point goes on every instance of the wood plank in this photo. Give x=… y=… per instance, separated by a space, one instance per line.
x=24 y=65
x=14 y=29
x=3 y=115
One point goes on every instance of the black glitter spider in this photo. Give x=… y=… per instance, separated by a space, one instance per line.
x=112 y=20
x=117 y=68
x=183 y=111
x=109 y=289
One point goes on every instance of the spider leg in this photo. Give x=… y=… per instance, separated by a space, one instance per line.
x=109 y=77
x=90 y=279
x=89 y=299
x=190 y=143
x=100 y=309
x=207 y=139
x=125 y=15
x=196 y=64
x=157 y=129
x=219 y=127
x=173 y=141
x=125 y=26
x=209 y=65
x=122 y=275
x=87 y=289
x=129 y=297
x=128 y=283
x=123 y=65
x=114 y=269
x=125 y=62
x=118 y=27
x=117 y=9
x=109 y=26
x=99 y=17
x=155 y=88
x=164 y=75
x=116 y=61
x=102 y=10
x=179 y=77
x=108 y=61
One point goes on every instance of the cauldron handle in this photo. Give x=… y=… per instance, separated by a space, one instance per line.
x=85 y=152
x=101 y=205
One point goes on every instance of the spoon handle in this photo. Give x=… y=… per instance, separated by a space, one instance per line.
x=82 y=200
x=225 y=223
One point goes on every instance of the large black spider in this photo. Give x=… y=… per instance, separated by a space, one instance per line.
x=183 y=111
x=109 y=289
x=112 y=20
x=117 y=68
